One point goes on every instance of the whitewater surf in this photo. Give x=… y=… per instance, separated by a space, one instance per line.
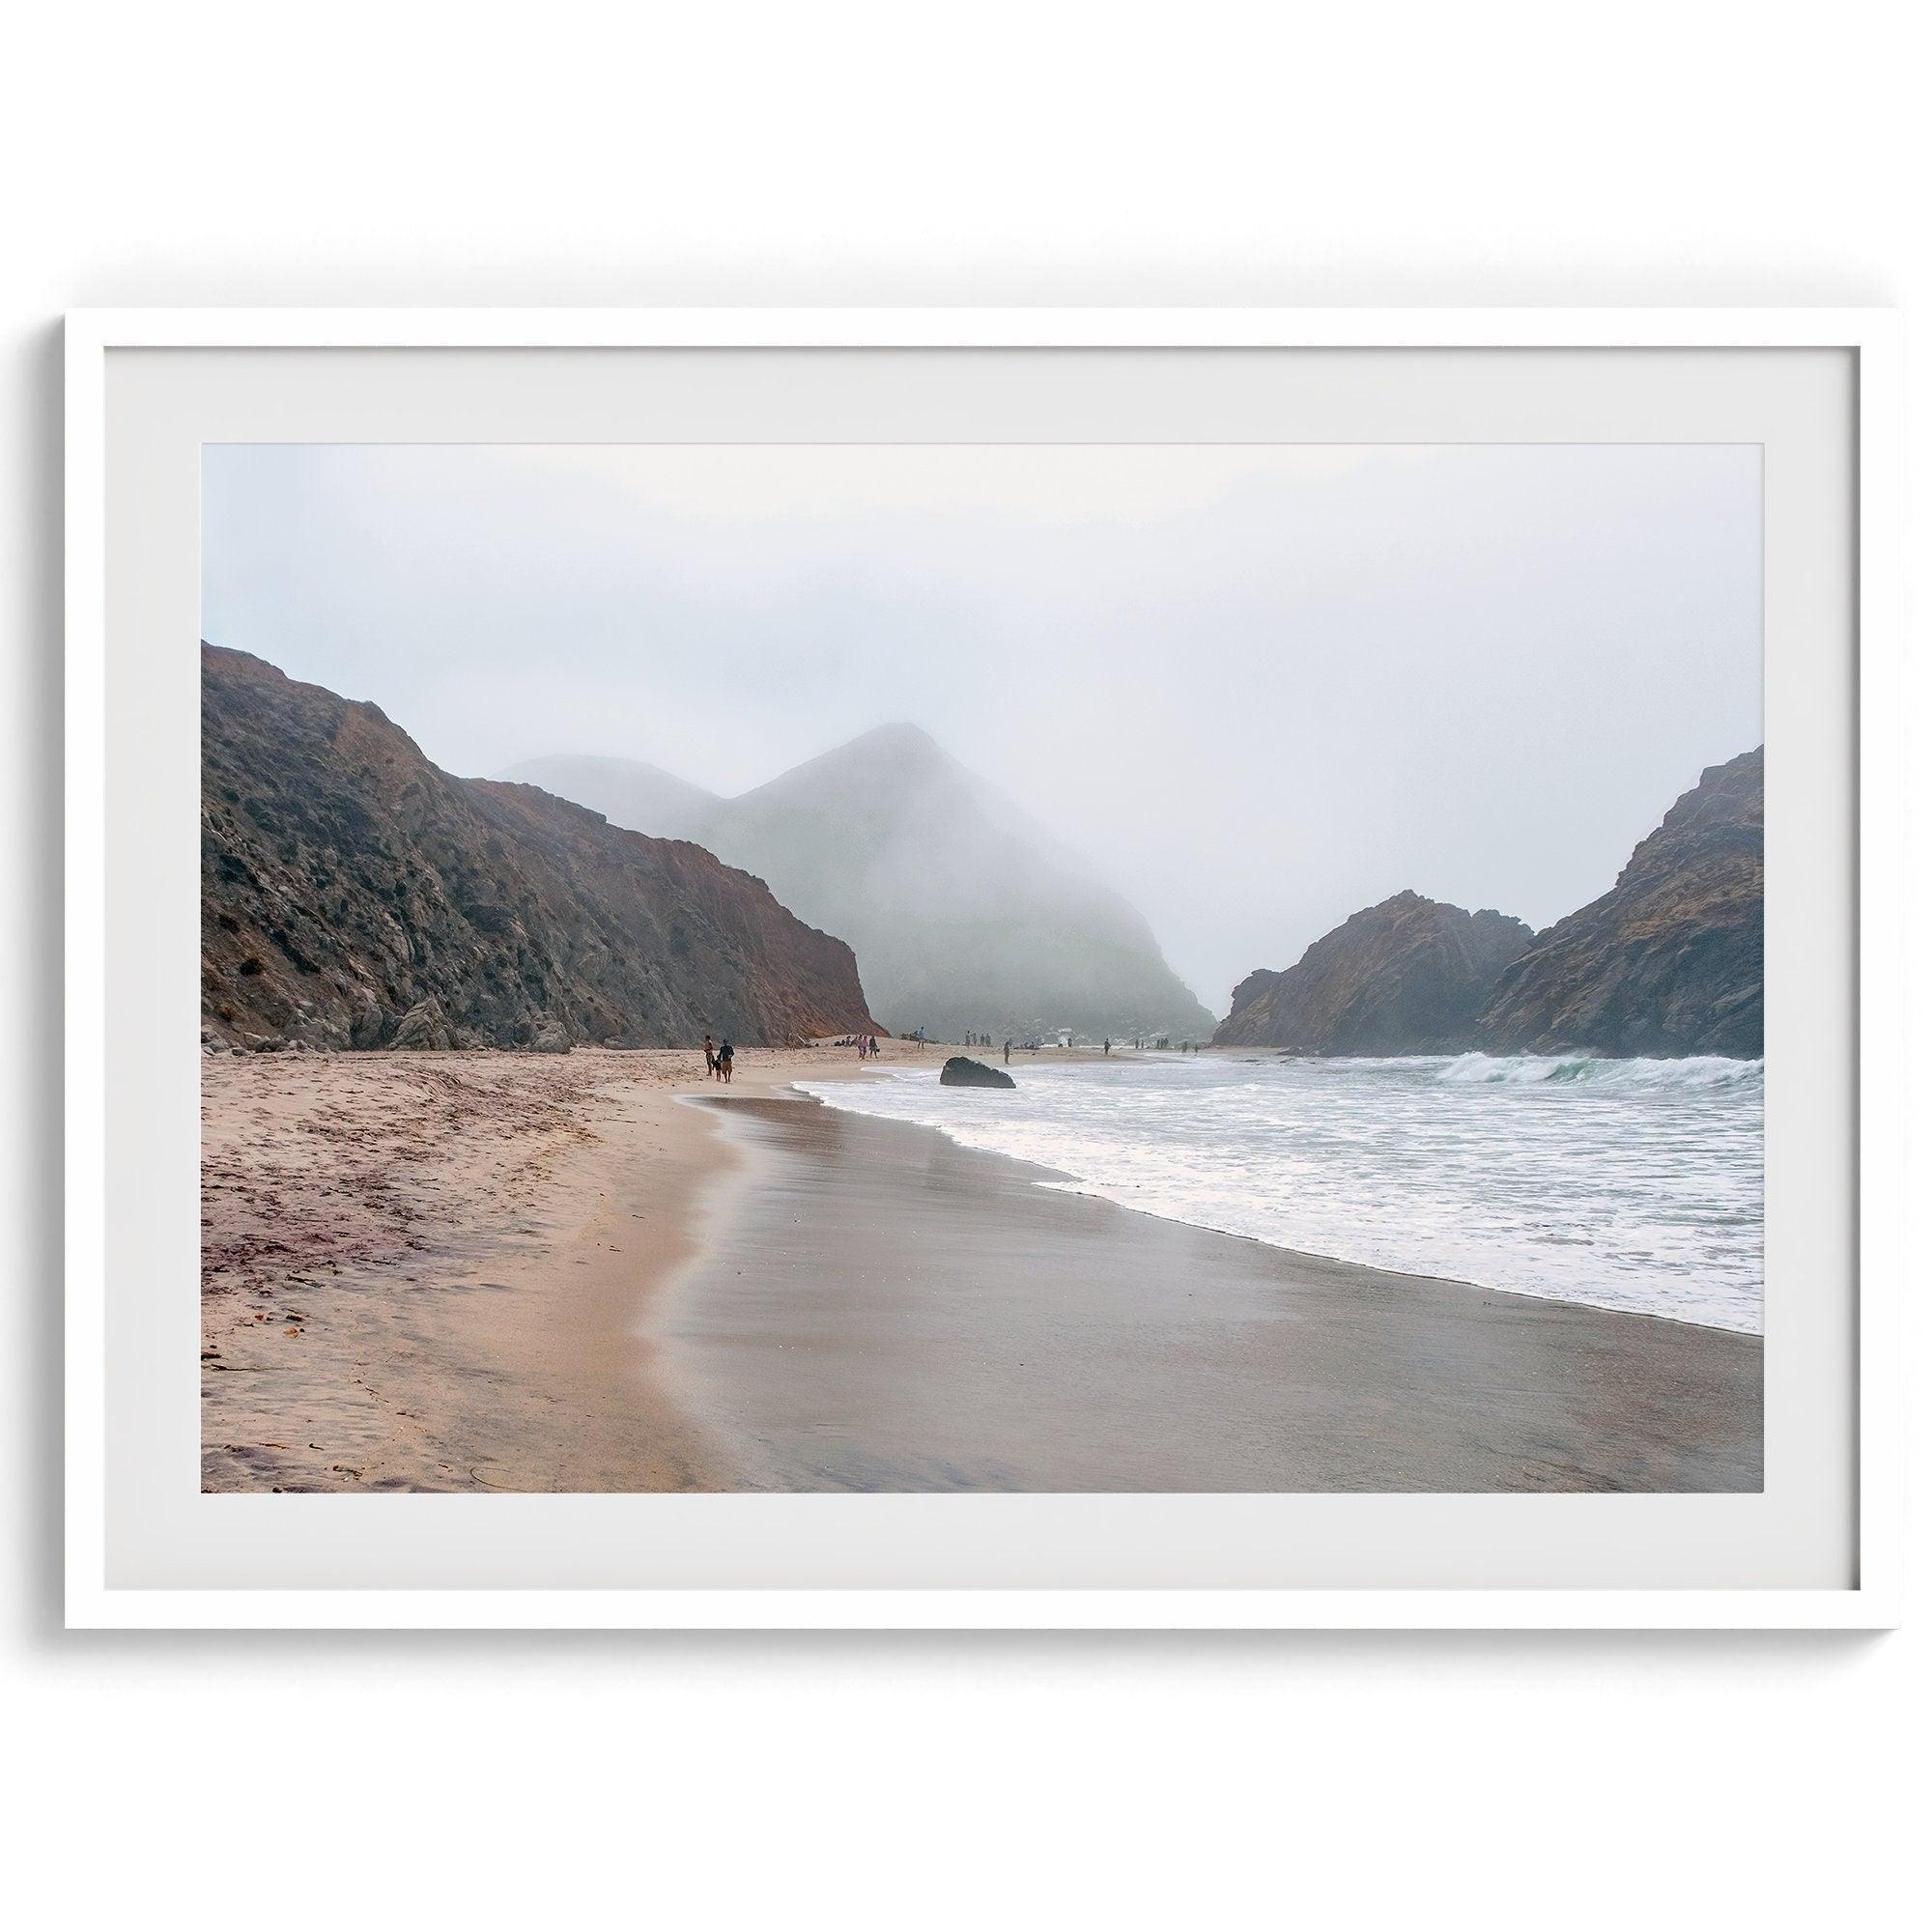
x=1631 y=1184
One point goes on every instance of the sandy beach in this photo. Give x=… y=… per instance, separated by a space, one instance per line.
x=536 y=1272
x=432 y=1271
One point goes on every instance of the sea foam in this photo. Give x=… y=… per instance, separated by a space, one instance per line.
x=1635 y=1184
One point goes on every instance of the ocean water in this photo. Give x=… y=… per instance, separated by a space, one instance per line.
x=1633 y=1184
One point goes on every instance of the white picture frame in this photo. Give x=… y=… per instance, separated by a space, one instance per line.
x=1872 y=1597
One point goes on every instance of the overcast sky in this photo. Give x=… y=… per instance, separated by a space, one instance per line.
x=1257 y=686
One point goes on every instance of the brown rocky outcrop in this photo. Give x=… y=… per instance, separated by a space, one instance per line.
x=1408 y=976
x=356 y=895
x=1670 y=960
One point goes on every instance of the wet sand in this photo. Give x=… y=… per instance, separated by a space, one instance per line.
x=880 y=1309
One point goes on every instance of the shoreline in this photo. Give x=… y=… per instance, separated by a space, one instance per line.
x=521 y=1304
x=1090 y=1190
x=1750 y=1323
x=1007 y=1336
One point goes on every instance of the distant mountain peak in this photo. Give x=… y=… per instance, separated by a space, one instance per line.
x=885 y=747
x=963 y=912
x=889 y=767
x=900 y=735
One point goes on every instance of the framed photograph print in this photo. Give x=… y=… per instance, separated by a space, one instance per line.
x=944 y=968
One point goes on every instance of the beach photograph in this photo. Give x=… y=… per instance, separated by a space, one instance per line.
x=981 y=967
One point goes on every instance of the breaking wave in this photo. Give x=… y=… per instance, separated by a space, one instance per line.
x=1702 y=1074
x=1633 y=1184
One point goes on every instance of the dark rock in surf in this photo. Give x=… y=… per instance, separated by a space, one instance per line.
x=959 y=1071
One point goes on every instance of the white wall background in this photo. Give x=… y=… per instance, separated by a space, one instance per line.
x=393 y=153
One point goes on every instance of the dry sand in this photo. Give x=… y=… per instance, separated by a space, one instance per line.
x=534 y=1272
x=428 y=1271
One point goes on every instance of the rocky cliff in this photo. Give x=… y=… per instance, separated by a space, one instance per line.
x=1670 y=960
x=1408 y=975
x=354 y=895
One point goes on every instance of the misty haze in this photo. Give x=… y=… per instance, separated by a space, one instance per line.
x=1250 y=689
x=1156 y=968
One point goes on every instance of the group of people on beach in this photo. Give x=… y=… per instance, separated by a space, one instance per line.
x=718 y=1059
x=869 y=1047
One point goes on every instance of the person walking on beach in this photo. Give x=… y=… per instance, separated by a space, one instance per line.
x=724 y=1062
x=1106 y=1047
x=710 y=1059
x=1009 y=1053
